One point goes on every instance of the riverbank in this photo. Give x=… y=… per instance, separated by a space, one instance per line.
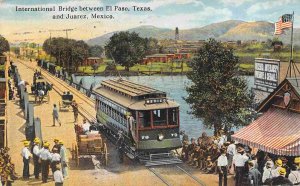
x=241 y=72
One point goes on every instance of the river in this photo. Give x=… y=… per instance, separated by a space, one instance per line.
x=175 y=88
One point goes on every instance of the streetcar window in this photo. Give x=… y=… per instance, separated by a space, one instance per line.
x=172 y=116
x=145 y=119
x=159 y=117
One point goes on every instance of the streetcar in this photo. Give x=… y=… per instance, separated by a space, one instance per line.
x=146 y=118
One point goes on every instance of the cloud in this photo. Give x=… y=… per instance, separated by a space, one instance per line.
x=268 y=5
x=234 y=2
x=189 y=20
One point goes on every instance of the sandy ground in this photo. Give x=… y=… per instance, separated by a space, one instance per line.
x=128 y=173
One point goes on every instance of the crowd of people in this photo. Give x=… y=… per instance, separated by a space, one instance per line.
x=44 y=159
x=221 y=155
x=7 y=168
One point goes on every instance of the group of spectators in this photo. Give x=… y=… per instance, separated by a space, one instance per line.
x=44 y=159
x=221 y=155
x=7 y=168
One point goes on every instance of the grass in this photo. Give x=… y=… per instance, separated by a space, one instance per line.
x=246 y=66
x=149 y=68
x=2 y=67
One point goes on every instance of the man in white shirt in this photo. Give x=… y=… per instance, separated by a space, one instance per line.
x=294 y=176
x=239 y=160
x=86 y=126
x=58 y=177
x=26 y=156
x=267 y=174
x=64 y=159
x=222 y=167
x=45 y=156
x=36 y=157
x=276 y=168
x=55 y=159
x=231 y=151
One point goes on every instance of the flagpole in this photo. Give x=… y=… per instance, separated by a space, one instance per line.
x=292 y=36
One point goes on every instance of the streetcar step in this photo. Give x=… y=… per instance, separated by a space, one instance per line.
x=163 y=162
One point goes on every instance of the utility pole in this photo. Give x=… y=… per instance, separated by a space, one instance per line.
x=67 y=30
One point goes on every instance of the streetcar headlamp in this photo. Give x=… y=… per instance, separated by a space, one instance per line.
x=145 y=137
x=160 y=137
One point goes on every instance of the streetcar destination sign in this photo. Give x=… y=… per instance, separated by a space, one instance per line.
x=266 y=74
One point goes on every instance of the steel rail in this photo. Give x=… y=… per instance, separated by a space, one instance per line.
x=192 y=176
x=159 y=176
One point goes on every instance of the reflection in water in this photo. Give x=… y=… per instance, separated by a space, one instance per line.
x=175 y=88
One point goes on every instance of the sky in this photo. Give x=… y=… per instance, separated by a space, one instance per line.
x=19 y=26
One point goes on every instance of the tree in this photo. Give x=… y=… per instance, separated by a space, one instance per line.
x=217 y=94
x=95 y=51
x=69 y=53
x=151 y=46
x=127 y=49
x=4 y=45
x=95 y=67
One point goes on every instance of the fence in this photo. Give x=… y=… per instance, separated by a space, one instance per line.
x=33 y=125
x=69 y=79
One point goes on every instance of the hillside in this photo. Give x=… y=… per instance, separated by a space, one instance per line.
x=225 y=31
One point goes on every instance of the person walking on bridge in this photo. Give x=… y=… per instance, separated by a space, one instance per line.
x=36 y=154
x=55 y=115
x=26 y=157
x=75 y=110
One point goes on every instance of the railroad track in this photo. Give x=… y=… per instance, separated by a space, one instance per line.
x=60 y=86
x=168 y=183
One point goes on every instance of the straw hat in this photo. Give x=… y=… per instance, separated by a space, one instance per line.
x=297 y=160
x=61 y=142
x=56 y=140
x=36 y=140
x=26 y=143
x=278 y=162
x=208 y=158
x=46 y=144
x=282 y=171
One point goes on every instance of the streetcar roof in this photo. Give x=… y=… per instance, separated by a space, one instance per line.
x=129 y=88
x=133 y=103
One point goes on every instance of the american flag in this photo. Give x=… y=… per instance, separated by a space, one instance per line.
x=284 y=22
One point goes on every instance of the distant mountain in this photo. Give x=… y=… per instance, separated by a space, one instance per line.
x=225 y=31
x=259 y=30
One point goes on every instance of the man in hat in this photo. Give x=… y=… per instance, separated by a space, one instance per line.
x=267 y=174
x=254 y=176
x=55 y=115
x=239 y=161
x=75 y=110
x=58 y=177
x=231 y=151
x=45 y=157
x=284 y=165
x=86 y=126
x=277 y=167
x=185 y=144
x=36 y=156
x=222 y=167
x=64 y=159
x=294 y=176
x=56 y=144
x=55 y=159
x=297 y=161
x=190 y=149
x=26 y=156
x=281 y=179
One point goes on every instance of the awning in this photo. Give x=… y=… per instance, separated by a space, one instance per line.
x=277 y=131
